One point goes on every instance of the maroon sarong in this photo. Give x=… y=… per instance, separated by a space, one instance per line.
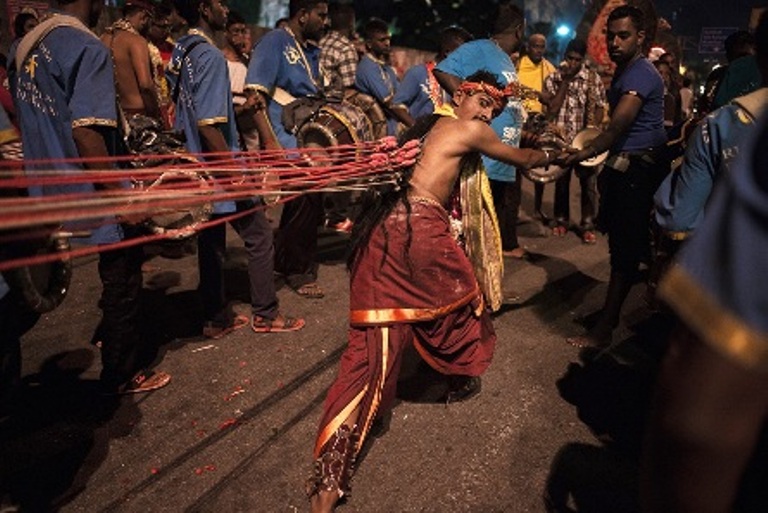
x=424 y=293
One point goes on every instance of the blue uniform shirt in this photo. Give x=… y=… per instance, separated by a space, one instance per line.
x=484 y=54
x=205 y=96
x=413 y=92
x=278 y=60
x=378 y=80
x=67 y=81
x=682 y=196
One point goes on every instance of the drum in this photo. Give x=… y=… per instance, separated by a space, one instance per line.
x=372 y=110
x=178 y=223
x=43 y=287
x=335 y=124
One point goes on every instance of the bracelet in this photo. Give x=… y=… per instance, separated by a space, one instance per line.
x=546 y=155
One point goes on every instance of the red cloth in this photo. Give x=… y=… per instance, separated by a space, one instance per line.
x=397 y=281
x=434 y=303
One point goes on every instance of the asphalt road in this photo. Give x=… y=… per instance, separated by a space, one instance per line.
x=234 y=430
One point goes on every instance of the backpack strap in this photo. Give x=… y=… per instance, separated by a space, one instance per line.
x=187 y=50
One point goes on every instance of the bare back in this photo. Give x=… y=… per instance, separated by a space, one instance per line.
x=133 y=71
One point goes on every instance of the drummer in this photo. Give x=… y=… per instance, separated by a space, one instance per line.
x=575 y=99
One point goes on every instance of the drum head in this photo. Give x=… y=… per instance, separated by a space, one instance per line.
x=581 y=139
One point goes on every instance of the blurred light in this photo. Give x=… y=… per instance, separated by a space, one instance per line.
x=563 y=30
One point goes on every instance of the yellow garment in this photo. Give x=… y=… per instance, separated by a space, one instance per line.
x=533 y=76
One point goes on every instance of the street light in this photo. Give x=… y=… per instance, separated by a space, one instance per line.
x=563 y=31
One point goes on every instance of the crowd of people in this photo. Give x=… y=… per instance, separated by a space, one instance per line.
x=476 y=112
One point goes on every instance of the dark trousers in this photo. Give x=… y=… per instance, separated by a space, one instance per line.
x=296 y=240
x=256 y=233
x=506 y=202
x=119 y=330
x=337 y=207
x=15 y=320
x=588 y=182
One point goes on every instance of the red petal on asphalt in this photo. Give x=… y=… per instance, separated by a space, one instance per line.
x=201 y=433
x=228 y=423
x=243 y=364
x=198 y=471
x=153 y=470
x=210 y=468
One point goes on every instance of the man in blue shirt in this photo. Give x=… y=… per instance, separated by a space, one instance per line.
x=204 y=111
x=65 y=98
x=285 y=66
x=634 y=138
x=376 y=78
x=419 y=91
x=494 y=55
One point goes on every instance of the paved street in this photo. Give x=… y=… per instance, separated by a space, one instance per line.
x=234 y=430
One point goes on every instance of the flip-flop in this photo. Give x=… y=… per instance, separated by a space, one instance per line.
x=216 y=331
x=144 y=381
x=310 y=291
x=264 y=325
x=589 y=237
x=559 y=231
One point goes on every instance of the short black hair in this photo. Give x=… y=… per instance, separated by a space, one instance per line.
x=507 y=17
x=235 y=18
x=738 y=44
x=375 y=26
x=635 y=15
x=341 y=15
x=190 y=10
x=297 y=5
x=453 y=34
x=19 y=21
x=577 y=45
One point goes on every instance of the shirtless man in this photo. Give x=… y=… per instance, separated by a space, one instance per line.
x=133 y=69
x=413 y=289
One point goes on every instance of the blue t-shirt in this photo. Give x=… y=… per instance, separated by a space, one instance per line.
x=647 y=130
x=205 y=96
x=67 y=81
x=278 y=60
x=413 y=92
x=378 y=80
x=484 y=54
x=682 y=196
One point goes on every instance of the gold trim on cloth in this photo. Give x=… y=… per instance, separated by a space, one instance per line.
x=337 y=421
x=482 y=235
x=393 y=315
x=717 y=326
x=8 y=135
x=93 y=121
x=212 y=121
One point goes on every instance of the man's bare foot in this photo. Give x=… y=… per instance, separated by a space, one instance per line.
x=518 y=253
x=323 y=501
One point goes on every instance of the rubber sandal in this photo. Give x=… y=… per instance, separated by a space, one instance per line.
x=589 y=237
x=310 y=291
x=215 y=330
x=144 y=381
x=518 y=253
x=559 y=231
x=263 y=325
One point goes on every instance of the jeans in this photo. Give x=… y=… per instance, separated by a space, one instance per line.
x=588 y=181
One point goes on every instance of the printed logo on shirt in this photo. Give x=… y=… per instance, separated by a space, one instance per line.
x=292 y=55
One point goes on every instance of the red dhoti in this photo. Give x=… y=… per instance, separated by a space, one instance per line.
x=411 y=284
